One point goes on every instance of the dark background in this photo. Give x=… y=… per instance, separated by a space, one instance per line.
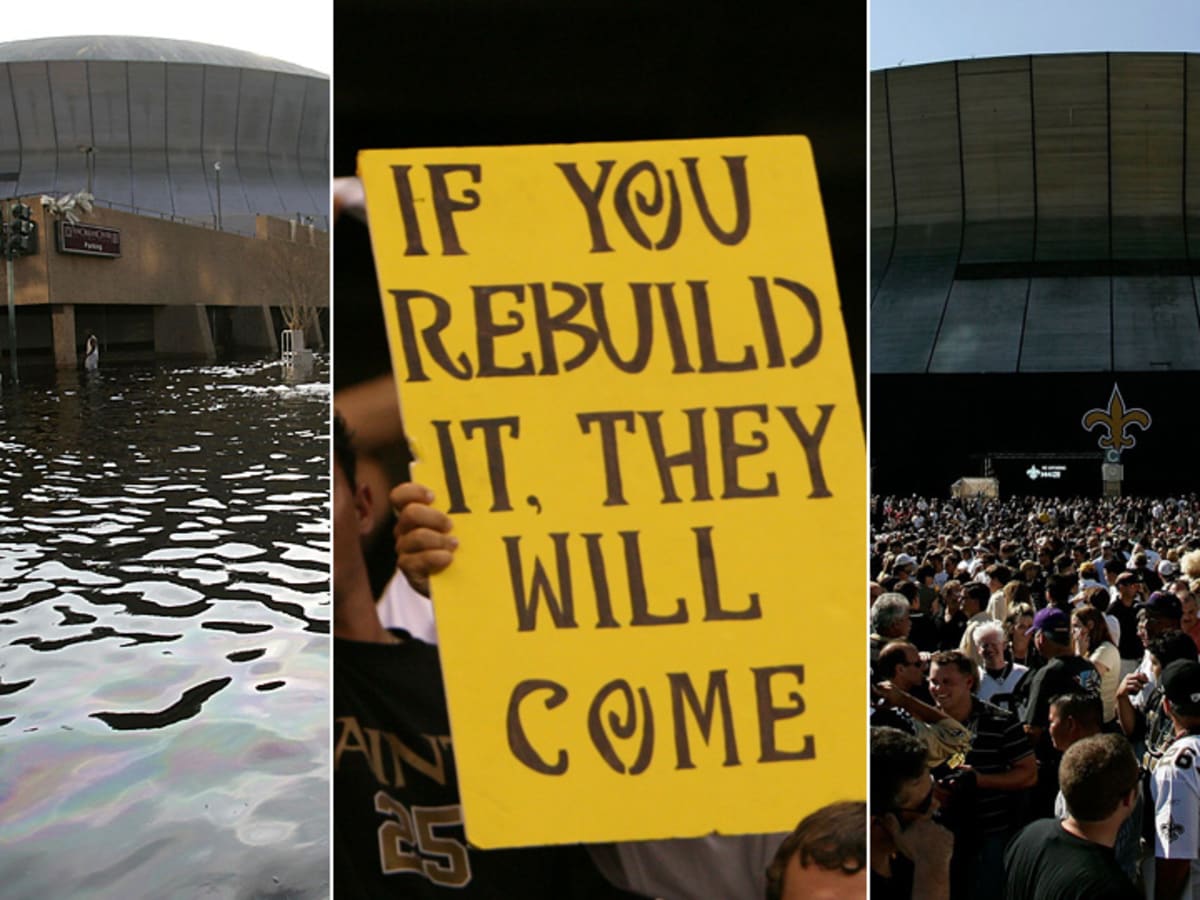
x=928 y=430
x=482 y=72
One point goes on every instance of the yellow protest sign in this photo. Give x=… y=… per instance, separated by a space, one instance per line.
x=623 y=371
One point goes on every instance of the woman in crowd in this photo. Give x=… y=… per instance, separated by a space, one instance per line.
x=1018 y=621
x=1092 y=640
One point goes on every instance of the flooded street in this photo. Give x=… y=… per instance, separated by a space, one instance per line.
x=164 y=633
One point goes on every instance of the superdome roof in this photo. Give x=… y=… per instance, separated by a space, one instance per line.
x=128 y=48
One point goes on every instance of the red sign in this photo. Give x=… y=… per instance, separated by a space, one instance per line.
x=90 y=240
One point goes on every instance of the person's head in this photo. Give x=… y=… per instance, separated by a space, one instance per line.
x=1016 y=592
x=825 y=858
x=1051 y=632
x=952 y=594
x=1059 y=588
x=900 y=663
x=904 y=565
x=1097 y=598
x=900 y=784
x=1030 y=571
x=998 y=576
x=1189 y=564
x=910 y=592
x=1089 y=623
x=1187 y=607
x=975 y=598
x=889 y=616
x=952 y=681
x=1128 y=586
x=1169 y=646
x=351 y=506
x=1181 y=692
x=1098 y=776
x=1018 y=621
x=990 y=642
x=1072 y=717
x=1160 y=612
x=344 y=457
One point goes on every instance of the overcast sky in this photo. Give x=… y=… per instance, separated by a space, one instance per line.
x=908 y=32
x=298 y=32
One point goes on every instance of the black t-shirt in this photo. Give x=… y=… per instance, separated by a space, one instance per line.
x=1046 y=862
x=397 y=828
x=1130 y=645
x=899 y=886
x=950 y=633
x=1062 y=675
x=923 y=633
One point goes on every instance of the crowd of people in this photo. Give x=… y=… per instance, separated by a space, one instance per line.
x=1035 y=715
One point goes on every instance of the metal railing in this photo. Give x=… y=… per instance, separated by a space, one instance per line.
x=236 y=223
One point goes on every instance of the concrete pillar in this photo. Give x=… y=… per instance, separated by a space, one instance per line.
x=183 y=331
x=62 y=333
x=254 y=330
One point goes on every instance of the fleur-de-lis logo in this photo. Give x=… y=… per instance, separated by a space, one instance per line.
x=1171 y=830
x=1115 y=420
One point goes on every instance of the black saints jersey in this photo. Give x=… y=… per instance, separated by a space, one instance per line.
x=398 y=826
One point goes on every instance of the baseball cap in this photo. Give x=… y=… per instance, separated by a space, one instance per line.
x=1162 y=603
x=1181 y=682
x=1049 y=619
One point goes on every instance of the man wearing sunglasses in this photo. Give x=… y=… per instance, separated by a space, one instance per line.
x=910 y=853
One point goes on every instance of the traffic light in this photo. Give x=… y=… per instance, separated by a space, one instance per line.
x=22 y=231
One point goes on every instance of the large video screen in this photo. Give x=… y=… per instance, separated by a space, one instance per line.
x=1044 y=476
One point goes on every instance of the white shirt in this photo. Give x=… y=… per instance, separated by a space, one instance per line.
x=1143 y=696
x=997 y=606
x=1175 y=787
x=1110 y=679
x=402 y=607
x=1114 y=628
x=990 y=686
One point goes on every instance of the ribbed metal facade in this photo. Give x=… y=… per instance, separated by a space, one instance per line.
x=1036 y=214
x=158 y=114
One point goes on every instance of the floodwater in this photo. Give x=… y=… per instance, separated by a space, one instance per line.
x=164 y=633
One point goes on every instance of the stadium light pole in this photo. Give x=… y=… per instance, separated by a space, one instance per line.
x=88 y=163
x=217 y=169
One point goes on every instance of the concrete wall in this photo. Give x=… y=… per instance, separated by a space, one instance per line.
x=166 y=263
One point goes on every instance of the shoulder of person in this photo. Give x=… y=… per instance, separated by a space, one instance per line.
x=1182 y=756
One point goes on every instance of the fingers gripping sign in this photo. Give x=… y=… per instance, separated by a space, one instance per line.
x=424 y=545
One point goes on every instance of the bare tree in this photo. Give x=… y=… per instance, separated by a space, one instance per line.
x=299 y=276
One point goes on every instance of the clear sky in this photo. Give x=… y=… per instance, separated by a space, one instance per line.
x=908 y=32
x=299 y=32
